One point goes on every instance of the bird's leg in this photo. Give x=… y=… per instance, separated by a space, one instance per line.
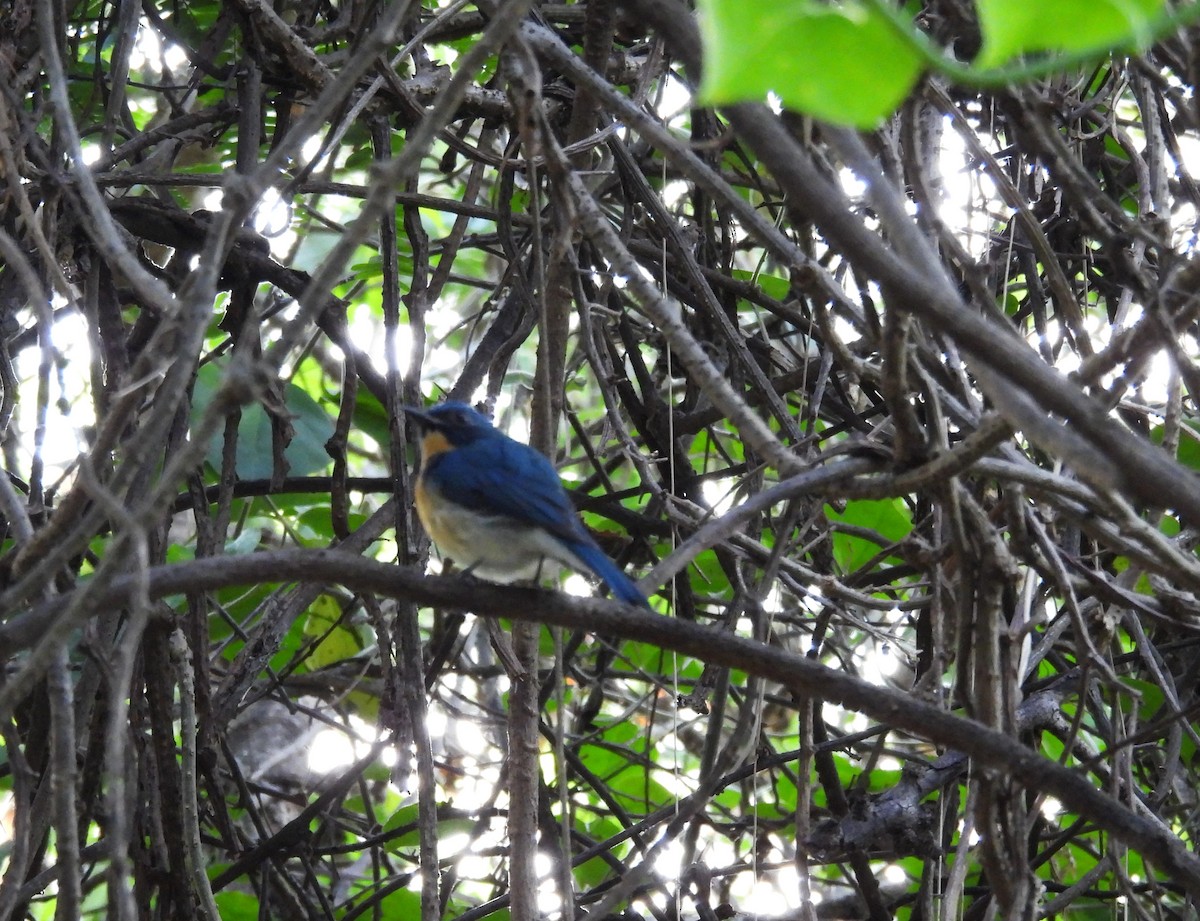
x=535 y=579
x=465 y=572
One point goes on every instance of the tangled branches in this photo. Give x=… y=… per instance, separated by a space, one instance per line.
x=899 y=427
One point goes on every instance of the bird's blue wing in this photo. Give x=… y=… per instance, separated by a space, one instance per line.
x=499 y=476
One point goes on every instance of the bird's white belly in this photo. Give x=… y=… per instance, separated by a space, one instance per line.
x=494 y=548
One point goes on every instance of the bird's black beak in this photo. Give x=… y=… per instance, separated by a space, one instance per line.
x=419 y=415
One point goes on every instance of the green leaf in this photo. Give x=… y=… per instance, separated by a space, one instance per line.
x=316 y=524
x=844 y=63
x=773 y=286
x=1014 y=27
x=707 y=574
x=306 y=454
x=618 y=765
x=593 y=872
x=236 y=906
x=1150 y=698
x=336 y=642
x=371 y=417
x=1188 y=452
x=404 y=820
x=403 y=903
x=405 y=817
x=889 y=518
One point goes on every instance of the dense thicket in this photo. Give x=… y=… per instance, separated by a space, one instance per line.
x=898 y=427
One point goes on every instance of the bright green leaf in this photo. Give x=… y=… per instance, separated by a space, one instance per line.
x=773 y=286
x=403 y=903
x=593 y=872
x=708 y=576
x=622 y=732
x=405 y=817
x=1188 y=452
x=1014 y=27
x=236 y=906
x=844 y=63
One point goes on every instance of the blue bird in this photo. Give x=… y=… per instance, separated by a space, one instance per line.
x=497 y=507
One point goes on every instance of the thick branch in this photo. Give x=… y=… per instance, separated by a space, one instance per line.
x=988 y=747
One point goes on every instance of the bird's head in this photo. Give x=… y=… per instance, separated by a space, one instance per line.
x=457 y=423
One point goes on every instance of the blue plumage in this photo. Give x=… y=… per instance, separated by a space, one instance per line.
x=497 y=507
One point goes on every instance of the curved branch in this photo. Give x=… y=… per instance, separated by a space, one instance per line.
x=990 y=749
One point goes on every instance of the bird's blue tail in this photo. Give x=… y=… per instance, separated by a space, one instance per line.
x=621 y=586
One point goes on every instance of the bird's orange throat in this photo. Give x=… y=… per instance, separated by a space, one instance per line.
x=432 y=445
